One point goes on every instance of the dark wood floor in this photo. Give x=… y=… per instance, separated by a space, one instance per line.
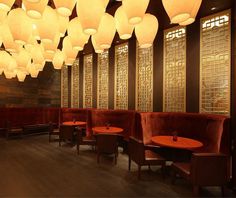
x=31 y=167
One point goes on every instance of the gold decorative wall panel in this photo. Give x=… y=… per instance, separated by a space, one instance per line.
x=174 y=85
x=75 y=84
x=215 y=63
x=88 y=81
x=144 y=79
x=121 y=76
x=103 y=80
x=64 y=86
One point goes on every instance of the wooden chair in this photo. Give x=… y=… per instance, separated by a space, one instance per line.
x=81 y=140
x=205 y=169
x=13 y=131
x=66 y=133
x=53 y=131
x=143 y=157
x=107 y=144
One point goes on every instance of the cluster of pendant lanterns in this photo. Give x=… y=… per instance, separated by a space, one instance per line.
x=31 y=34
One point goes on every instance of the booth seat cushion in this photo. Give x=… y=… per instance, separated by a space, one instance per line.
x=124 y=119
x=203 y=127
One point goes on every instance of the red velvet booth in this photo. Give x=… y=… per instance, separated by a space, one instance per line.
x=69 y=114
x=124 y=119
x=31 y=119
x=211 y=130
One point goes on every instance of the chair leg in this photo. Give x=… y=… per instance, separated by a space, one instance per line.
x=98 y=158
x=195 y=190
x=129 y=163
x=222 y=191
x=139 y=171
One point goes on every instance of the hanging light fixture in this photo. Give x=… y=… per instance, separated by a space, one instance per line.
x=33 y=1
x=52 y=47
x=1 y=71
x=6 y=4
x=22 y=58
x=105 y=3
x=135 y=10
x=106 y=31
x=193 y=14
x=145 y=38
x=4 y=59
x=30 y=43
x=48 y=56
x=124 y=28
x=40 y=67
x=7 y=38
x=76 y=34
x=90 y=14
x=12 y=65
x=20 y=25
x=70 y=53
x=58 y=59
x=48 y=25
x=9 y=74
x=64 y=8
x=35 y=9
x=21 y=75
x=33 y=71
x=3 y=15
x=63 y=24
x=97 y=48
x=178 y=10
x=35 y=32
x=37 y=54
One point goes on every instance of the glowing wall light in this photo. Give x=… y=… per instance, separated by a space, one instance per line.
x=64 y=8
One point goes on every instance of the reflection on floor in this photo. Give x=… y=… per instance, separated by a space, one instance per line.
x=33 y=167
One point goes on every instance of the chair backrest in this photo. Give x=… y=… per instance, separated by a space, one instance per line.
x=66 y=132
x=209 y=169
x=136 y=150
x=107 y=143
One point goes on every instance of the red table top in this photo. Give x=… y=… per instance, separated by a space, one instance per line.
x=104 y=129
x=181 y=143
x=77 y=123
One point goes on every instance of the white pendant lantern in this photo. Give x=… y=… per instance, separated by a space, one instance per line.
x=20 y=25
x=178 y=10
x=30 y=43
x=69 y=62
x=23 y=58
x=193 y=14
x=105 y=3
x=124 y=28
x=40 y=67
x=3 y=15
x=76 y=34
x=35 y=9
x=37 y=54
x=33 y=1
x=7 y=38
x=33 y=71
x=70 y=53
x=52 y=47
x=5 y=58
x=89 y=14
x=35 y=32
x=1 y=71
x=64 y=8
x=48 y=56
x=58 y=59
x=63 y=24
x=135 y=10
x=21 y=75
x=145 y=38
x=106 y=31
x=48 y=25
x=9 y=74
x=6 y=4
x=12 y=65
x=97 y=48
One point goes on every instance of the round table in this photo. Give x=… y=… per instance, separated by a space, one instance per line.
x=181 y=143
x=76 y=123
x=104 y=129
